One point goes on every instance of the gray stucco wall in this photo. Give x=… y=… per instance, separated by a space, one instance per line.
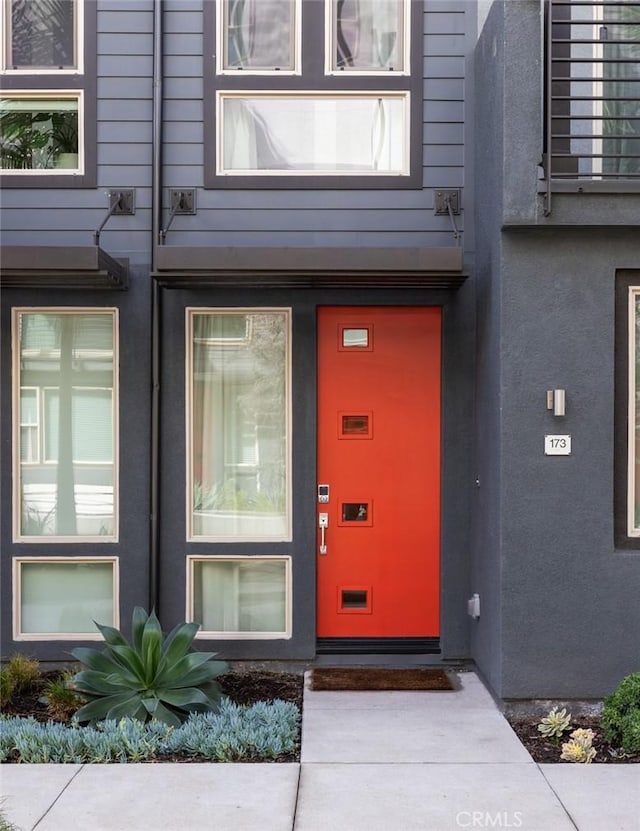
x=486 y=570
x=571 y=615
x=560 y=616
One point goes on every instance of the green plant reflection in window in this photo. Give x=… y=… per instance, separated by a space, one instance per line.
x=38 y=134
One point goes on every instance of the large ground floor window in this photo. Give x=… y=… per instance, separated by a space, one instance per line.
x=238 y=424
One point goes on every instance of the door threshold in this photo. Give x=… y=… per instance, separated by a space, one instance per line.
x=378 y=646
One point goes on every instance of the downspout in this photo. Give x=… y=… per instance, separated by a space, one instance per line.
x=156 y=225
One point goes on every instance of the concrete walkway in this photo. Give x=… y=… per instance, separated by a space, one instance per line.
x=429 y=761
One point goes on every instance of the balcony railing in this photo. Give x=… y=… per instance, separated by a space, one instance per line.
x=592 y=106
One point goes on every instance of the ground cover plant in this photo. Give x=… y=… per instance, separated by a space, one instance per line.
x=154 y=699
x=258 y=720
x=610 y=737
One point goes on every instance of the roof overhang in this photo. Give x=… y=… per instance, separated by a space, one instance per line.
x=61 y=266
x=189 y=267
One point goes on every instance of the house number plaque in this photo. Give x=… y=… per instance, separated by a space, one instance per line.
x=557 y=445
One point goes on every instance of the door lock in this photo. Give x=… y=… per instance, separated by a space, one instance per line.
x=323 y=524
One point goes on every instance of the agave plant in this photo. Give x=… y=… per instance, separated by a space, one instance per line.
x=154 y=677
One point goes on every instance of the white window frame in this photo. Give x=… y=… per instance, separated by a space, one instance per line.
x=190 y=312
x=192 y=559
x=37 y=424
x=18 y=562
x=404 y=96
x=632 y=485
x=329 y=47
x=297 y=46
x=53 y=95
x=16 y=312
x=78 y=45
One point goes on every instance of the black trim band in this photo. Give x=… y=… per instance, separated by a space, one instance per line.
x=383 y=646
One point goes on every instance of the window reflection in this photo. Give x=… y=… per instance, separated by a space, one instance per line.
x=66 y=417
x=239 y=443
x=314 y=134
x=368 y=35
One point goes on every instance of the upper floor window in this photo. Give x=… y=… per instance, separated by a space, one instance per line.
x=367 y=36
x=593 y=84
x=42 y=35
x=41 y=132
x=329 y=89
x=48 y=103
x=259 y=36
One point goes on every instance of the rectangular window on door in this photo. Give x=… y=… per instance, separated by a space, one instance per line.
x=65 y=425
x=238 y=410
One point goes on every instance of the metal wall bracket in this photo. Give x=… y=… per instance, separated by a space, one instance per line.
x=447 y=203
x=183 y=201
x=122 y=202
x=445 y=199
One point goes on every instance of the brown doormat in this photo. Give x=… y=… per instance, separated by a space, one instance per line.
x=381 y=678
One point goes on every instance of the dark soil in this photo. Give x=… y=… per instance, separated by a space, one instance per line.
x=546 y=750
x=245 y=687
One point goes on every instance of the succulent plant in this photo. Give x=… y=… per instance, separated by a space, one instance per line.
x=579 y=747
x=553 y=725
x=154 y=677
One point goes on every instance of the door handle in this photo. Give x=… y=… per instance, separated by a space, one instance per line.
x=323 y=524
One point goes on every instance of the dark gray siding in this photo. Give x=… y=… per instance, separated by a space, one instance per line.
x=308 y=217
x=31 y=216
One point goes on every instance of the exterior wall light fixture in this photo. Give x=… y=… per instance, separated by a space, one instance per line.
x=556 y=401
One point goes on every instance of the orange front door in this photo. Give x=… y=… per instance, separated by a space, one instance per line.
x=379 y=456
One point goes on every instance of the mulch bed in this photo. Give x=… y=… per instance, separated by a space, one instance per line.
x=250 y=686
x=243 y=687
x=545 y=750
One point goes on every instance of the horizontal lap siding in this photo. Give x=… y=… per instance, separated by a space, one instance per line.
x=308 y=217
x=58 y=216
x=237 y=217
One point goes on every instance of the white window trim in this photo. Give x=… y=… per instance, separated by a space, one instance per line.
x=632 y=530
x=16 y=435
x=297 y=46
x=53 y=95
x=403 y=95
x=37 y=425
x=78 y=43
x=190 y=312
x=18 y=635
x=241 y=636
x=329 y=49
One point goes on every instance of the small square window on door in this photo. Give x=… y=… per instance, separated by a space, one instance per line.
x=355 y=424
x=354 y=600
x=357 y=513
x=355 y=338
